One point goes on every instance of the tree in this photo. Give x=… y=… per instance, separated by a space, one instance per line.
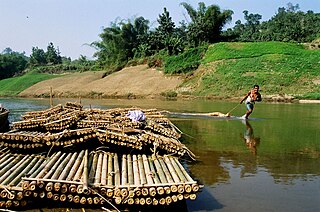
x=53 y=55
x=249 y=31
x=121 y=41
x=12 y=63
x=37 y=57
x=7 y=50
x=165 y=35
x=206 y=23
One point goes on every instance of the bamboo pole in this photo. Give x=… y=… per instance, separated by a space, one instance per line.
x=97 y=178
x=136 y=174
x=104 y=169
x=79 y=171
x=192 y=196
x=17 y=178
x=61 y=166
x=147 y=169
x=142 y=173
x=47 y=166
x=68 y=167
x=54 y=167
x=153 y=172
x=10 y=163
x=5 y=158
x=159 y=170
x=130 y=170
x=75 y=166
x=13 y=168
x=174 y=198
x=85 y=172
x=110 y=171
x=187 y=176
x=166 y=171
x=178 y=170
x=117 y=179
x=124 y=172
x=172 y=171
x=58 y=172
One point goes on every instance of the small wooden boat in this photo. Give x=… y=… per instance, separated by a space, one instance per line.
x=4 y=122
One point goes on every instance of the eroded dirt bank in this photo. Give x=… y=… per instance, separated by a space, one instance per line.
x=137 y=81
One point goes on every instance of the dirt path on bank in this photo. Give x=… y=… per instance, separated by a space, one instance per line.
x=139 y=81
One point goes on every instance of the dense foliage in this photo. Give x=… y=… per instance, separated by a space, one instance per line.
x=287 y=25
x=11 y=63
x=39 y=57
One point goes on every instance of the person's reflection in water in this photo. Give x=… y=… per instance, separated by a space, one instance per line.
x=250 y=140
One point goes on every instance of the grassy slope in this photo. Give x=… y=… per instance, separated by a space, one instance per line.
x=13 y=86
x=230 y=69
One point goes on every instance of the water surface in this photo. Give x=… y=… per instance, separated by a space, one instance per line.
x=269 y=163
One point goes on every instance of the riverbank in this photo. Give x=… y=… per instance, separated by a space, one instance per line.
x=286 y=72
x=137 y=82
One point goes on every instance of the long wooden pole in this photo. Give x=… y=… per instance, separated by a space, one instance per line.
x=85 y=172
x=104 y=169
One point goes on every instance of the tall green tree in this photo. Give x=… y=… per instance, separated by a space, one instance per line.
x=12 y=63
x=120 y=41
x=249 y=31
x=206 y=23
x=53 y=55
x=37 y=57
x=166 y=35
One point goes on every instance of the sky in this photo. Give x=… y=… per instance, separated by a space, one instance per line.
x=73 y=24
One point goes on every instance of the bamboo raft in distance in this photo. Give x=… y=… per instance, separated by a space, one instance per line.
x=71 y=124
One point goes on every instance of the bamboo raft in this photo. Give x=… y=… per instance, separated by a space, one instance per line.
x=147 y=176
x=71 y=124
x=94 y=177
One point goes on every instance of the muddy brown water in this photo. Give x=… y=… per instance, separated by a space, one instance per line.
x=269 y=163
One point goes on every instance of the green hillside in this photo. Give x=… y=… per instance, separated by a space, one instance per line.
x=13 y=86
x=230 y=69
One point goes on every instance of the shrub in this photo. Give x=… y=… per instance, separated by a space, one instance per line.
x=186 y=62
x=169 y=94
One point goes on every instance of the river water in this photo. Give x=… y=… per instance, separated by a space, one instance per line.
x=269 y=163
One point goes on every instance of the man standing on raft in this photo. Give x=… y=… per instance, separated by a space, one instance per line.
x=252 y=96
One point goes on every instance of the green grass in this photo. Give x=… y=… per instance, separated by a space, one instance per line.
x=279 y=68
x=231 y=50
x=186 y=62
x=13 y=86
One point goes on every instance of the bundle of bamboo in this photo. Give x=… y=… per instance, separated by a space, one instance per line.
x=31 y=139
x=12 y=168
x=71 y=124
x=94 y=177
x=97 y=177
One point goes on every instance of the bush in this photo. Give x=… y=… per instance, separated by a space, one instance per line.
x=169 y=94
x=311 y=95
x=186 y=62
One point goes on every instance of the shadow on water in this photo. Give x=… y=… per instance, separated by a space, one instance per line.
x=205 y=202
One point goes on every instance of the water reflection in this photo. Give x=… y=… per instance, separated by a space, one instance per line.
x=251 y=141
